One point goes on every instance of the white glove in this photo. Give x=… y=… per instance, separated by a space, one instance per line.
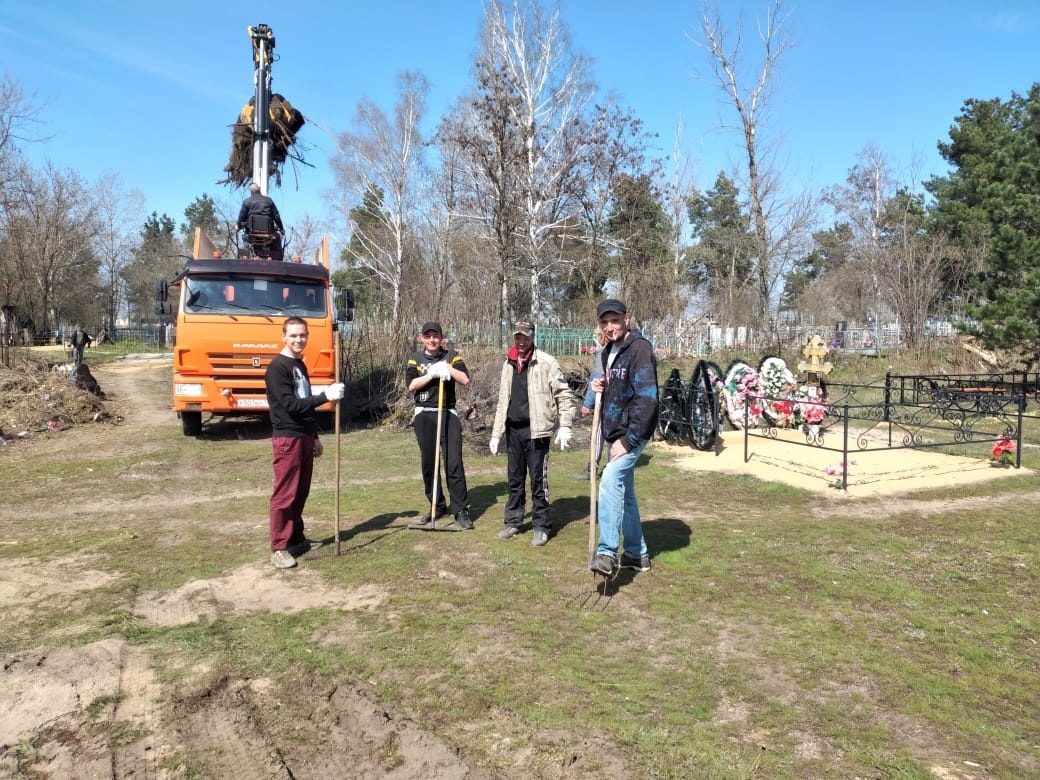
x=563 y=437
x=494 y=446
x=334 y=392
x=440 y=370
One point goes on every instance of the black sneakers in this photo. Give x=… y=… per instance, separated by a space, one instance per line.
x=462 y=522
x=603 y=564
x=641 y=563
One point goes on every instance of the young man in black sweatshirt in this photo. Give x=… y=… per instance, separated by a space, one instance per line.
x=294 y=440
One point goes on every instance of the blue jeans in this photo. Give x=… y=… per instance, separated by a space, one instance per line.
x=618 y=511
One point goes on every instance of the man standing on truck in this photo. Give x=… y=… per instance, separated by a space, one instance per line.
x=260 y=205
x=294 y=441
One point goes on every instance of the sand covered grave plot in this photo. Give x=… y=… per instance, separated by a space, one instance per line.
x=874 y=471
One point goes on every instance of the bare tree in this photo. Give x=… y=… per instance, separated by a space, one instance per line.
x=18 y=117
x=552 y=84
x=863 y=201
x=676 y=192
x=384 y=155
x=521 y=136
x=119 y=215
x=52 y=223
x=616 y=153
x=779 y=222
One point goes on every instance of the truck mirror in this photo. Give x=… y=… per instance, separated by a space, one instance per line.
x=162 y=291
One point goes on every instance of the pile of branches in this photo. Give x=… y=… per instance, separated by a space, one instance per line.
x=36 y=397
x=286 y=122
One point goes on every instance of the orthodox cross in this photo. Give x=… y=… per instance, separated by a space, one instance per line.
x=815 y=350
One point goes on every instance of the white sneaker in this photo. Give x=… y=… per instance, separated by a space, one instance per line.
x=282 y=559
x=508 y=532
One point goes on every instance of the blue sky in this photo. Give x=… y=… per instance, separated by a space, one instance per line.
x=149 y=90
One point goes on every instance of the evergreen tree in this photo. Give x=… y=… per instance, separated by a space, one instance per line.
x=991 y=202
x=157 y=256
x=724 y=255
x=641 y=228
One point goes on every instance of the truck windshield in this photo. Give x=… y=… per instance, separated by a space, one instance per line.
x=262 y=296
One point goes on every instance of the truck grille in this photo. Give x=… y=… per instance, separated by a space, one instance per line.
x=236 y=361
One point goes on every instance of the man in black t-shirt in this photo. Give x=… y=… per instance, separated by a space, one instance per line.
x=432 y=374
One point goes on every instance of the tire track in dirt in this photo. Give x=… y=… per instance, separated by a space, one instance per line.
x=135 y=715
x=224 y=739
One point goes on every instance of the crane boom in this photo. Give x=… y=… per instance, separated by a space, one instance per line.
x=263 y=46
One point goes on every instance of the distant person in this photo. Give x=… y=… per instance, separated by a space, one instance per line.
x=431 y=376
x=628 y=411
x=294 y=441
x=534 y=400
x=261 y=205
x=79 y=340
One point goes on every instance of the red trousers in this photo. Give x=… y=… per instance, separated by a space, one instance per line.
x=293 y=467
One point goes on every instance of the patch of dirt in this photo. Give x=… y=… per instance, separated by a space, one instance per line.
x=251 y=588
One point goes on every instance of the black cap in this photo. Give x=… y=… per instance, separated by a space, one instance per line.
x=428 y=326
x=610 y=305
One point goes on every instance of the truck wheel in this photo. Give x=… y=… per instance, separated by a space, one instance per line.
x=191 y=423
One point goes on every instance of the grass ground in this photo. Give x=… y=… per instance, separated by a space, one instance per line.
x=780 y=633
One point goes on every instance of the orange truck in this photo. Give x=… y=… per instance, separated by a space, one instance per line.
x=229 y=325
x=230 y=311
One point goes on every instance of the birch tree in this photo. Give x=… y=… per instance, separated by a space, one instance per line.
x=779 y=221
x=862 y=201
x=384 y=153
x=675 y=194
x=119 y=213
x=522 y=130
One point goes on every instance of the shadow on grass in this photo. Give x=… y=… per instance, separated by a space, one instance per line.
x=483 y=497
x=664 y=534
x=383 y=522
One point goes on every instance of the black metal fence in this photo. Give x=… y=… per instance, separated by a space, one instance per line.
x=920 y=412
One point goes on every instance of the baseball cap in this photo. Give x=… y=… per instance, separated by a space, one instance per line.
x=431 y=325
x=524 y=327
x=611 y=305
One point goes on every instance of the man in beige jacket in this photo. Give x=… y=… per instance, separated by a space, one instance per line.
x=533 y=398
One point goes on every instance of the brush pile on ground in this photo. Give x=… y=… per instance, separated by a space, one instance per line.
x=36 y=397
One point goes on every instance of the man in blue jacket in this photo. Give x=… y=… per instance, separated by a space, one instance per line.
x=629 y=418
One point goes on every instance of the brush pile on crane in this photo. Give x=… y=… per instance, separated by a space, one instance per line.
x=277 y=124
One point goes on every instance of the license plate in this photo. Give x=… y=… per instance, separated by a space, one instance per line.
x=252 y=403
